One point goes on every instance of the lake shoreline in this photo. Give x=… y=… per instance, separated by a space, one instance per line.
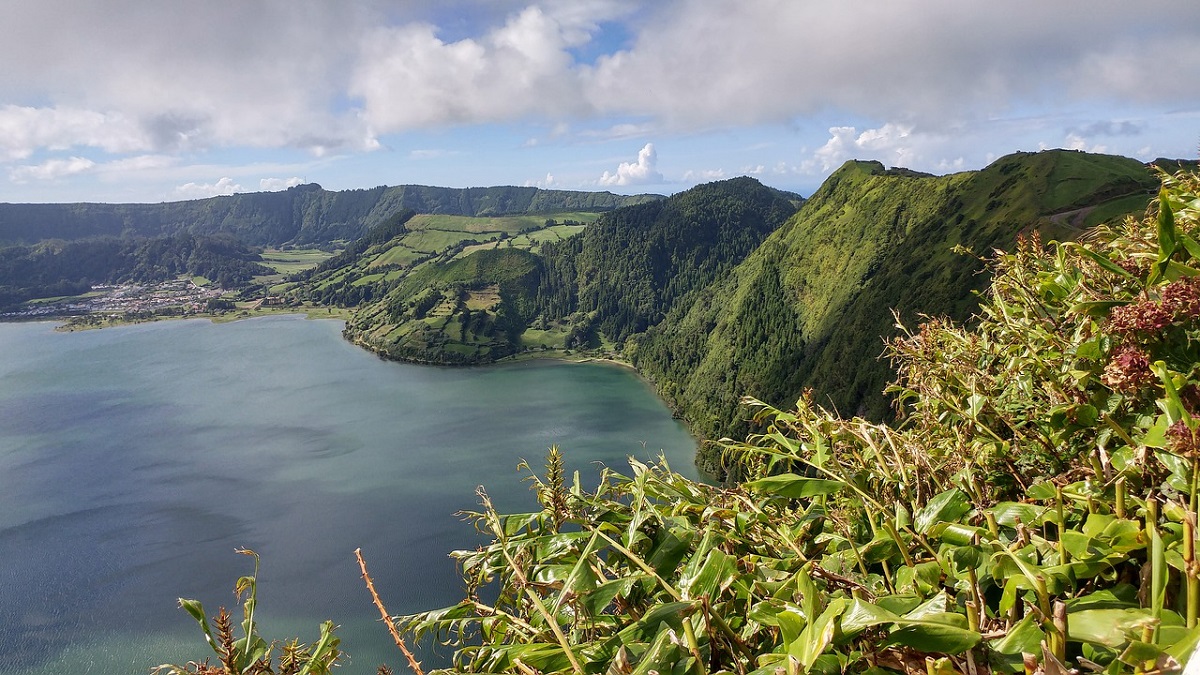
x=338 y=314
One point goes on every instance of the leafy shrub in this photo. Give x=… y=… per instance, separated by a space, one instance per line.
x=1035 y=507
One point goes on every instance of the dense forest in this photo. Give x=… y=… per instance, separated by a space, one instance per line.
x=55 y=268
x=633 y=265
x=305 y=215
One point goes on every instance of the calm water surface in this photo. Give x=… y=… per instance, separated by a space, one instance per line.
x=133 y=461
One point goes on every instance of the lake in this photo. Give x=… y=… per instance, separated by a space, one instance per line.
x=134 y=460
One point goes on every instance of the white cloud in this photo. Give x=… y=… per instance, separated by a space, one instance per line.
x=703 y=175
x=1077 y=142
x=224 y=186
x=704 y=63
x=51 y=169
x=276 y=184
x=642 y=172
x=25 y=129
x=407 y=77
x=128 y=80
x=891 y=143
x=139 y=163
x=548 y=182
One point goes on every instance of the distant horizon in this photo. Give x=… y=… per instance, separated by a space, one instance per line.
x=608 y=189
x=130 y=102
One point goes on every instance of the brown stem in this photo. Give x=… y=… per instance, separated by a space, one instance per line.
x=412 y=660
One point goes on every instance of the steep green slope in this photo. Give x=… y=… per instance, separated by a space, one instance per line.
x=636 y=264
x=305 y=214
x=552 y=285
x=813 y=305
x=467 y=310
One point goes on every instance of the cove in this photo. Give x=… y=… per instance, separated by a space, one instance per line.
x=134 y=460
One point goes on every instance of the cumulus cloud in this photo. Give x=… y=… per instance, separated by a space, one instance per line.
x=26 y=129
x=703 y=175
x=890 y=142
x=1077 y=142
x=642 y=172
x=224 y=186
x=51 y=169
x=276 y=184
x=409 y=78
x=548 y=182
x=129 y=78
x=166 y=77
x=927 y=61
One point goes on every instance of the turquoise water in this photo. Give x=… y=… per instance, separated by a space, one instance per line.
x=134 y=460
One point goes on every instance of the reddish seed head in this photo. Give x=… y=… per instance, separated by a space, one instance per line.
x=1182 y=298
x=1145 y=317
x=1128 y=371
x=1182 y=440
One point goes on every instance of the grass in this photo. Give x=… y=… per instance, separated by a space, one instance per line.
x=397 y=255
x=483 y=299
x=553 y=338
x=294 y=260
x=434 y=241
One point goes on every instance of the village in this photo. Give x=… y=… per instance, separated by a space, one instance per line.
x=177 y=297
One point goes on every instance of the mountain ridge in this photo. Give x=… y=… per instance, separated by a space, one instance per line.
x=301 y=215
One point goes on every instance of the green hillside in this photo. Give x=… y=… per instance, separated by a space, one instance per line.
x=455 y=289
x=812 y=307
x=302 y=215
x=625 y=273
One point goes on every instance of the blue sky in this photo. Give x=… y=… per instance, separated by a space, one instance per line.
x=136 y=101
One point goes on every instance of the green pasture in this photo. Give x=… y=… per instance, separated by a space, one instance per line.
x=434 y=241
x=397 y=255
x=294 y=260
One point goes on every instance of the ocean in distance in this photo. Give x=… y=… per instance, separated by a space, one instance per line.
x=134 y=460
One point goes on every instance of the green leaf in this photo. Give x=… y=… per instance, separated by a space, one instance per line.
x=1026 y=637
x=935 y=636
x=861 y=615
x=1099 y=259
x=794 y=487
x=716 y=574
x=196 y=609
x=1044 y=490
x=1007 y=513
x=1122 y=596
x=1167 y=242
x=1109 y=627
x=662 y=655
x=948 y=506
x=1190 y=245
x=817 y=635
x=957 y=534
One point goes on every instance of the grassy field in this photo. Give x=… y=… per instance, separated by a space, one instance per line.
x=397 y=255
x=294 y=260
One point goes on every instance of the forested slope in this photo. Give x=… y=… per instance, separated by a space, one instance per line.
x=69 y=268
x=553 y=286
x=812 y=307
x=303 y=215
x=626 y=272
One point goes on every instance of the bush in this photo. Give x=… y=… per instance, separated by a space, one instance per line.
x=1034 y=508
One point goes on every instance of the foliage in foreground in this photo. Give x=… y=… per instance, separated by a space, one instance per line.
x=1034 y=511
x=251 y=654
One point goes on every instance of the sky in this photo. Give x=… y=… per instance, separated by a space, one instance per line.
x=163 y=100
